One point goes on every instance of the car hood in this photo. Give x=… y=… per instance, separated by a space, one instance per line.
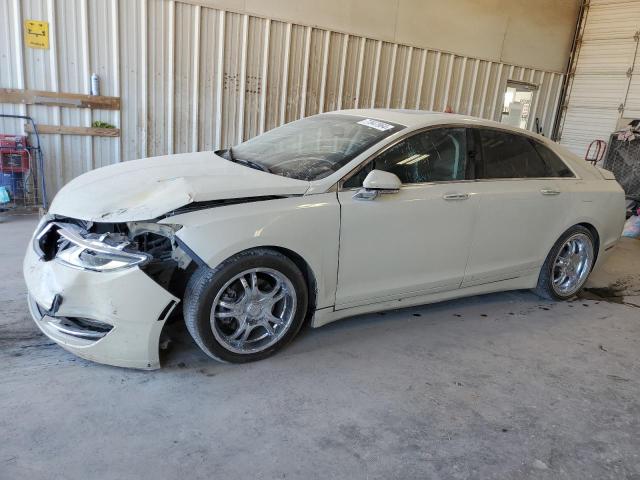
x=148 y=188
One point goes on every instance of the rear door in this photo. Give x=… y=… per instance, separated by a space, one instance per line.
x=521 y=207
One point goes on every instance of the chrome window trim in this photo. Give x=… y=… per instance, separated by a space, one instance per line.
x=339 y=185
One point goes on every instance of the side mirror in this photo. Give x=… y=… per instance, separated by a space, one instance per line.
x=376 y=183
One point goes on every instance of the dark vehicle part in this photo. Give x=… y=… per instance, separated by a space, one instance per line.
x=195 y=206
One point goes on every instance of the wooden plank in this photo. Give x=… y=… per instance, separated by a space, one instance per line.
x=40 y=97
x=66 y=130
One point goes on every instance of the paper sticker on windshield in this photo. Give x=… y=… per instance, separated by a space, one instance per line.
x=375 y=124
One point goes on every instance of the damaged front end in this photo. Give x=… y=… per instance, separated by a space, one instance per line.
x=105 y=290
x=108 y=247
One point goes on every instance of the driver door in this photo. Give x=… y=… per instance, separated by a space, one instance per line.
x=416 y=241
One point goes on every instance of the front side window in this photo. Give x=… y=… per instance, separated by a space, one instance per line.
x=438 y=155
x=314 y=147
x=509 y=155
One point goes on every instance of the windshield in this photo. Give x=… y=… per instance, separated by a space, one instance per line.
x=314 y=147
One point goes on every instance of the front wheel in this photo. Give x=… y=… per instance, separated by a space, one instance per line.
x=248 y=307
x=567 y=267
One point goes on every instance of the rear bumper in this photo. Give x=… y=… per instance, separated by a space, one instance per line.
x=113 y=318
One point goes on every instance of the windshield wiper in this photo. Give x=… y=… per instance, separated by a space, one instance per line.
x=248 y=163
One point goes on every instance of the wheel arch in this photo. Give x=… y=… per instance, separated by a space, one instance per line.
x=596 y=238
x=586 y=222
x=300 y=262
x=307 y=271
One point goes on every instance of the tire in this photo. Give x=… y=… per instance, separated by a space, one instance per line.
x=219 y=302
x=550 y=271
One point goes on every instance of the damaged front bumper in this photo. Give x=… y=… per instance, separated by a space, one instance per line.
x=112 y=317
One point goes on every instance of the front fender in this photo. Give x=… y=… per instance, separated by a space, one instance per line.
x=306 y=225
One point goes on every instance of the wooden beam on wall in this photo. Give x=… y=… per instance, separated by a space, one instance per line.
x=41 y=97
x=66 y=130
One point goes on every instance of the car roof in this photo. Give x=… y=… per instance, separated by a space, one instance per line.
x=424 y=118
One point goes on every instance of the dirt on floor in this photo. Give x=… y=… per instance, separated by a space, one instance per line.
x=503 y=386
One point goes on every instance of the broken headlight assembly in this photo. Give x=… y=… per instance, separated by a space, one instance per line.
x=85 y=247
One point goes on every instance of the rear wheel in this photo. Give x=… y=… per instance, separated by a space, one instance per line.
x=248 y=307
x=567 y=267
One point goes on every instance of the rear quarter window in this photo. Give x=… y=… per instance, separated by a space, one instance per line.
x=554 y=163
x=509 y=155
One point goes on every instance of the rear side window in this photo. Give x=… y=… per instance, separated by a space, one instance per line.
x=509 y=155
x=555 y=165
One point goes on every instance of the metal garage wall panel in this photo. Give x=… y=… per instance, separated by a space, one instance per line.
x=278 y=50
x=553 y=98
x=254 y=70
x=160 y=67
x=442 y=81
x=599 y=91
x=457 y=84
x=187 y=39
x=103 y=49
x=315 y=71
x=352 y=67
x=612 y=19
x=382 y=75
x=368 y=82
x=132 y=25
x=632 y=103
x=11 y=56
x=397 y=76
x=297 y=72
x=583 y=126
x=198 y=78
x=602 y=86
x=429 y=81
x=41 y=73
x=632 y=98
x=606 y=57
x=336 y=56
x=231 y=88
x=74 y=76
x=414 y=78
x=210 y=76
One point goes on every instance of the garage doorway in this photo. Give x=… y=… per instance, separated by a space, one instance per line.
x=518 y=97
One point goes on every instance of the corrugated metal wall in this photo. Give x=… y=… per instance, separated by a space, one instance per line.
x=604 y=84
x=196 y=78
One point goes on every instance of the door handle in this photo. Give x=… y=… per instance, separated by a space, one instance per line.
x=456 y=196
x=549 y=191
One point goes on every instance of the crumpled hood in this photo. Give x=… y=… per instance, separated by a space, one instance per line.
x=147 y=188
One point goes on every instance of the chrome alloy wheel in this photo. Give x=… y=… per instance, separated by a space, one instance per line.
x=572 y=265
x=253 y=310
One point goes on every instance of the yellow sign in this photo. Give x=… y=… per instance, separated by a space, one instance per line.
x=36 y=34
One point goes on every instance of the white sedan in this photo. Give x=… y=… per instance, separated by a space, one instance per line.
x=334 y=215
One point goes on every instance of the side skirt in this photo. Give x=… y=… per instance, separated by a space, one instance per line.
x=327 y=315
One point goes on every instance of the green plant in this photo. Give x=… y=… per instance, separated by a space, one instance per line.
x=100 y=124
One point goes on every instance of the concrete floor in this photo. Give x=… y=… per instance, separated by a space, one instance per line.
x=499 y=386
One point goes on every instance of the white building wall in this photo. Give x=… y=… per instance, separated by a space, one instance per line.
x=193 y=77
